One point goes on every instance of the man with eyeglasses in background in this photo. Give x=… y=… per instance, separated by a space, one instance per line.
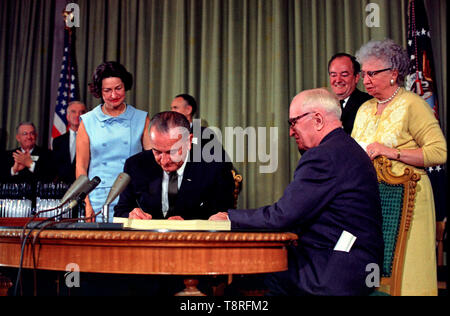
x=343 y=72
x=28 y=163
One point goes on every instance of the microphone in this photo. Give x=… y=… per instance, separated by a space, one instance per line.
x=85 y=190
x=119 y=185
x=75 y=188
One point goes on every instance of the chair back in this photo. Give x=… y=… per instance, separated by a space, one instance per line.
x=397 y=195
x=237 y=186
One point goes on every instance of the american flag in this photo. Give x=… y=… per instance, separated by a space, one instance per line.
x=421 y=80
x=67 y=88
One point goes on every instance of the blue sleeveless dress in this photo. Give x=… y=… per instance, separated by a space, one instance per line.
x=112 y=140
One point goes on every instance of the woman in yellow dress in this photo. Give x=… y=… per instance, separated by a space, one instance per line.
x=401 y=126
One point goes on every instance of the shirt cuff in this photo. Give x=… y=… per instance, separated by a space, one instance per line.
x=33 y=165
x=13 y=173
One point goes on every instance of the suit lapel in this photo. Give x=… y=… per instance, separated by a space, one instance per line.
x=155 y=190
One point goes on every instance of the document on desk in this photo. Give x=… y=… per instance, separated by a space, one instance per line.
x=155 y=224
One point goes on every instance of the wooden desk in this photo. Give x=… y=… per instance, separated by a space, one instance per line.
x=150 y=252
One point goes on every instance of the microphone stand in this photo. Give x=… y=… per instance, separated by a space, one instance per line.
x=43 y=225
x=105 y=213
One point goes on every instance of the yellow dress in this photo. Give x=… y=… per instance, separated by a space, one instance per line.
x=409 y=123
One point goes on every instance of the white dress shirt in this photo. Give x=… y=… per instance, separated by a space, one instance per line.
x=72 y=144
x=345 y=102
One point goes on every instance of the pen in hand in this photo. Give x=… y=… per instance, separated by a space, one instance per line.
x=139 y=213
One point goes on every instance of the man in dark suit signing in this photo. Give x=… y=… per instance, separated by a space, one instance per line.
x=343 y=71
x=64 y=145
x=165 y=184
x=332 y=204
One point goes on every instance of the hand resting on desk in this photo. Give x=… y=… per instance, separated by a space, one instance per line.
x=138 y=213
x=221 y=216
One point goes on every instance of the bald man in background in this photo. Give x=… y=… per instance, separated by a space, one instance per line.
x=64 y=146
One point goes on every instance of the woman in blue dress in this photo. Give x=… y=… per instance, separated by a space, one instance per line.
x=109 y=134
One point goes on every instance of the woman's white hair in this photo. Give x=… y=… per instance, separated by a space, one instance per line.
x=389 y=53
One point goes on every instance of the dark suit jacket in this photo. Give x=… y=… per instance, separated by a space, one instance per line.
x=334 y=189
x=351 y=108
x=206 y=189
x=43 y=170
x=216 y=151
x=65 y=168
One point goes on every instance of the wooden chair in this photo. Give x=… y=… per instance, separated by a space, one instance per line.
x=397 y=202
x=441 y=268
x=219 y=289
x=237 y=186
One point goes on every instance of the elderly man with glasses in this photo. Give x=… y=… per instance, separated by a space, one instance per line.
x=332 y=204
x=28 y=163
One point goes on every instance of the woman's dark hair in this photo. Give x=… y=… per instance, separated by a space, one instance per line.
x=107 y=70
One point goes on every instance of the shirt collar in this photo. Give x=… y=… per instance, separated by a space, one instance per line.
x=23 y=150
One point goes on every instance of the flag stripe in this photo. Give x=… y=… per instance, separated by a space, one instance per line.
x=67 y=87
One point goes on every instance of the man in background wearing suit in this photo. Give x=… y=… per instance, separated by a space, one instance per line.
x=166 y=184
x=29 y=163
x=343 y=71
x=187 y=105
x=64 y=145
x=332 y=204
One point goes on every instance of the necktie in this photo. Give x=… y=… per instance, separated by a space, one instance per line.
x=342 y=103
x=173 y=189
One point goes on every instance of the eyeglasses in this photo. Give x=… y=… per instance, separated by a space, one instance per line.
x=371 y=74
x=27 y=133
x=293 y=121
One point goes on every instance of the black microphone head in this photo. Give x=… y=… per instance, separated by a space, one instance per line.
x=75 y=188
x=93 y=184
x=88 y=187
x=119 y=185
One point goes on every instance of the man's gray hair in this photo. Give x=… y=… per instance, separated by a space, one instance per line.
x=322 y=98
x=389 y=53
x=25 y=124
x=76 y=102
x=164 y=121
